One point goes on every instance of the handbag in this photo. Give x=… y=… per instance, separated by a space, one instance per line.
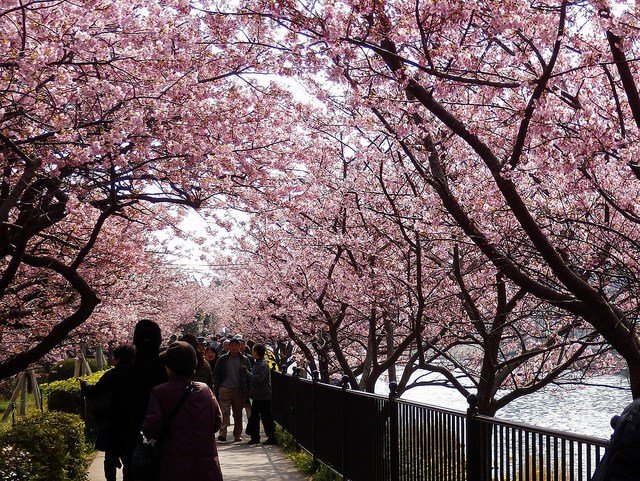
x=145 y=460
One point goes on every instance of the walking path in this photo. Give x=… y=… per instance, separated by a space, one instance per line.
x=239 y=462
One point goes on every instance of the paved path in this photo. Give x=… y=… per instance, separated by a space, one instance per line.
x=239 y=462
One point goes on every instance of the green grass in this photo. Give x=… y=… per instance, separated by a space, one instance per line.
x=4 y=404
x=302 y=460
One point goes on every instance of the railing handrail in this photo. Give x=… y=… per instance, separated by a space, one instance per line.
x=488 y=419
x=368 y=436
x=569 y=436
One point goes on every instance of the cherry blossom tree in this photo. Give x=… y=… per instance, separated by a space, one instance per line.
x=360 y=280
x=108 y=108
x=520 y=118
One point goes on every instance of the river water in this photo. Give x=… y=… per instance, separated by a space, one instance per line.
x=585 y=409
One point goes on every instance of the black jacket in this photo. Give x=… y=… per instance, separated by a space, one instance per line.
x=130 y=399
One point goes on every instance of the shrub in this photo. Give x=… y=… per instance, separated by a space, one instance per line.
x=64 y=369
x=51 y=443
x=15 y=463
x=65 y=396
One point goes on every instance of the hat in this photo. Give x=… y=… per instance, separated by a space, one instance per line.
x=201 y=340
x=180 y=357
x=234 y=340
x=213 y=346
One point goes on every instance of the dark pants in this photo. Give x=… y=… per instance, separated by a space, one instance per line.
x=111 y=464
x=261 y=409
x=126 y=466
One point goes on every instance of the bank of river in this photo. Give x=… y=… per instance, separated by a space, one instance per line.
x=583 y=409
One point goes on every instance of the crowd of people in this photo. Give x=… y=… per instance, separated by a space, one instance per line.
x=185 y=393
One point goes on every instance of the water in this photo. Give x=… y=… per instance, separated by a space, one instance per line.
x=583 y=410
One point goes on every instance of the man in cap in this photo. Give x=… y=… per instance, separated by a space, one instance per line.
x=230 y=382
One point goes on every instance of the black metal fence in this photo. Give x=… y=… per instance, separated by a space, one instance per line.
x=367 y=437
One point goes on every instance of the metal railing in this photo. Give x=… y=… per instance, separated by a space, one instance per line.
x=368 y=437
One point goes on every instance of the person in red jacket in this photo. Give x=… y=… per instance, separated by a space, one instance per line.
x=189 y=450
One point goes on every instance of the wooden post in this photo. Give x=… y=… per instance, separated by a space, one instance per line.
x=99 y=358
x=76 y=368
x=86 y=369
x=23 y=397
x=14 y=396
x=37 y=395
x=105 y=361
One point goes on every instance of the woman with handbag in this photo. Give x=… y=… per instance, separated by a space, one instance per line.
x=183 y=416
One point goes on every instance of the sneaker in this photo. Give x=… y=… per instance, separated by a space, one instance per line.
x=222 y=438
x=254 y=441
x=270 y=442
x=237 y=440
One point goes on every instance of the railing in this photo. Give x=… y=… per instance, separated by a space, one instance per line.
x=368 y=437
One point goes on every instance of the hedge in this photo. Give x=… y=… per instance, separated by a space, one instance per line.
x=65 y=396
x=64 y=369
x=42 y=447
x=15 y=463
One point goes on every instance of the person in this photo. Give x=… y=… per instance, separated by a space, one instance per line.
x=130 y=395
x=621 y=460
x=202 y=344
x=211 y=355
x=231 y=387
x=98 y=399
x=188 y=451
x=224 y=347
x=243 y=351
x=260 y=393
x=203 y=371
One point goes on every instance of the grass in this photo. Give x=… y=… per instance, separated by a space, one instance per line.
x=4 y=404
x=302 y=460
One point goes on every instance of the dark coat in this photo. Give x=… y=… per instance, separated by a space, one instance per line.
x=98 y=399
x=260 y=381
x=130 y=399
x=221 y=372
x=203 y=374
x=189 y=451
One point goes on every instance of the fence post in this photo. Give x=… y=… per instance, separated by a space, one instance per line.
x=394 y=447
x=314 y=408
x=294 y=407
x=473 y=444
x=343 y=427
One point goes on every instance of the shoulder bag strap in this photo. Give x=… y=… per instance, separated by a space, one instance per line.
x=175 y=410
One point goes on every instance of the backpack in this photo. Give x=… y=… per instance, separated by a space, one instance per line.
x=621 y=461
